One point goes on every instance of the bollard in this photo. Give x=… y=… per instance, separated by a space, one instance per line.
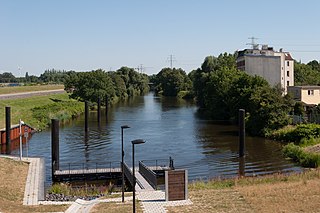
x=86 y=116
x=99 y=110
x=8 y=125
x=54 y=146
x=107 y=106
x=242 y=165
x=242 y=132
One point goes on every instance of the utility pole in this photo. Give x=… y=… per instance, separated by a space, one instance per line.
x=171 y=59
x=253 y=43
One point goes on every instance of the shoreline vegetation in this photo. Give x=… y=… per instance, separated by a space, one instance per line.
x=302 y=143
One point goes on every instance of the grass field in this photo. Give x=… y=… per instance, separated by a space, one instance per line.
x=10 y=90
x=13 y=179
x=274 y=193
x=22 y=108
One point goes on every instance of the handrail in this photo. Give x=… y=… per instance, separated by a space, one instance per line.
x=128 y=173
x=159 y=162
x=148 y=174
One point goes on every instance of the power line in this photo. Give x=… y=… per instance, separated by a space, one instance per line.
x=171 y=59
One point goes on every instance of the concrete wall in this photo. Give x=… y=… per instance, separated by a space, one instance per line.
x=267 y=67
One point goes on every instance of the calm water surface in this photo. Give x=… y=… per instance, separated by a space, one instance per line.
x=171 y=128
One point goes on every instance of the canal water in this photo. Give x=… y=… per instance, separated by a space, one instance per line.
x=171 y=128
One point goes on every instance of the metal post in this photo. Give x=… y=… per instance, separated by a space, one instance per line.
x=20 y=139
x=8 y=125
x=54 y=145
x=99 y=110
x=107 y=103
x=122 y=159
x=86 y=115
x=241 y=132
x=134 y=182
x=137 y=141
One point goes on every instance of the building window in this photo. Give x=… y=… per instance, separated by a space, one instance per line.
x=310 y=92
x=288 y=63
x=288 y=73
x=288 y=83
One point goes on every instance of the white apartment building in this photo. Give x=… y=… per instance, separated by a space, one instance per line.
x=275 y=67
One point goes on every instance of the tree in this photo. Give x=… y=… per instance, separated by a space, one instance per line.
x=169 y=82
x=7 y=77
x=89 y=86
x=223 y=90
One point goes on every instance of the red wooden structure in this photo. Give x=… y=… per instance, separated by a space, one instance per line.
x=15 y=132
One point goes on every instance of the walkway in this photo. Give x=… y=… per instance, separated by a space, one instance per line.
x=153 y=201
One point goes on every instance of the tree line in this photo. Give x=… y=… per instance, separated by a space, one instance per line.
x=220 y=90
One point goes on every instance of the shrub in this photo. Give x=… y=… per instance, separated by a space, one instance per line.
x=297 y=154
x=306 y=134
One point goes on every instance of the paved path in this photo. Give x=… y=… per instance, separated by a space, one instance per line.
x=153 y=201
x=28 y=94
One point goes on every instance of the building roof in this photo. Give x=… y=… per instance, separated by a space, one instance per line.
x=288 y=57
x=306 y=87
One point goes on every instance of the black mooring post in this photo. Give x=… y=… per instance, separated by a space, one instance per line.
x=86 y=115
x=242 y=132
x=242 y=167
x=99 y=110
x=54 y=145
x=107 y=103
x=8 y=125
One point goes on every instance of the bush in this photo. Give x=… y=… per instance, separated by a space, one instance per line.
x=297 y=154
x=306 y=134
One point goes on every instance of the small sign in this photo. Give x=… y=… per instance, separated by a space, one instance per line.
x=26 y=129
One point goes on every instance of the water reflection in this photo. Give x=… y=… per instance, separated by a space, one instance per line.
x=170 y=127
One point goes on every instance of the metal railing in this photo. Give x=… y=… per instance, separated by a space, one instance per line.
x=164 y=163
x=128 y=173
x=88 y=168
x=148 y=174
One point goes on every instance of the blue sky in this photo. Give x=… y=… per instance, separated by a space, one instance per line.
x=85 y=35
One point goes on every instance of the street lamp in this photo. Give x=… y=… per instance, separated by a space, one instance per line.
x=134 y=142
x=122 y=156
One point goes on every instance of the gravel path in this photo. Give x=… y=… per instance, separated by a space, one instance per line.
x=29 y=94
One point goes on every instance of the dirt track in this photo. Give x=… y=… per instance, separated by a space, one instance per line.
x=29 y=94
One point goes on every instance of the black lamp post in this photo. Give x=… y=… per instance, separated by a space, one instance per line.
x=122 y=156
x=134 y=142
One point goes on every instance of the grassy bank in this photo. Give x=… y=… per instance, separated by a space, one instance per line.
x=13 y=179
x=273 y=193
x=38 y=110
x=18 y=89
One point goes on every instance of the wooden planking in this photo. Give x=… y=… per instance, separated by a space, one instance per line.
x=86 y=171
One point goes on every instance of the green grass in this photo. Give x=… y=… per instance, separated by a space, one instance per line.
x=249 y=181
x=37 y=111
x=10 y=90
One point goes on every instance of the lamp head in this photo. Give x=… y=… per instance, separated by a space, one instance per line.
x=138 y=141
x=125 y=127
